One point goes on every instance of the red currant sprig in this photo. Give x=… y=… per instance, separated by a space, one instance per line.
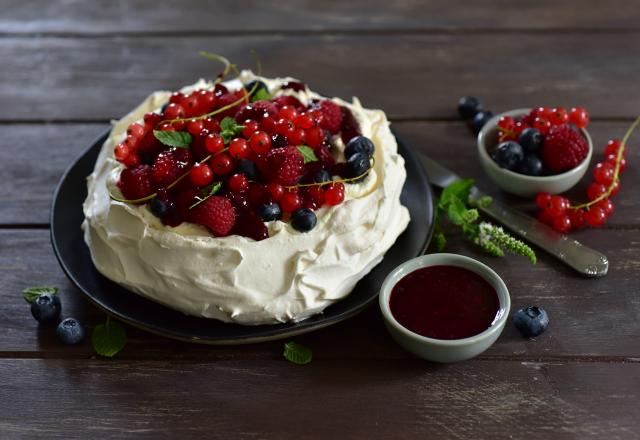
x=557 y=212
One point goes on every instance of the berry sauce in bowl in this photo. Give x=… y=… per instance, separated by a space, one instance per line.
x=444 y=307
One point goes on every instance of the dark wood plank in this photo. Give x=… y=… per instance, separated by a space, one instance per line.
x=415 y=76
x=45 y=151
x=583 y=311
x=102 y=16
x=325 y=399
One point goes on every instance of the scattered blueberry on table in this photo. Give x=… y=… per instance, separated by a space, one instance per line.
x=531 y=321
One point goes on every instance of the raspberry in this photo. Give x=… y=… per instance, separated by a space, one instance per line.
x=291 y=101
x=136 y=183
x=256 y=111
x=331 y=115
x=563 y=149
x=349 y=127
x=170 y=164
x=284 y=165
x=216 y=213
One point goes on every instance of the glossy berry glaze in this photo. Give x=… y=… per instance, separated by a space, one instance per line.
x=444 y=302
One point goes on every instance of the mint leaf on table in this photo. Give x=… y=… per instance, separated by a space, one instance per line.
x=180 y=139
x=229 y=129
x=31 y=293
x=261 y=95
x=308 y=154
x=108 y=338
x=297 y=354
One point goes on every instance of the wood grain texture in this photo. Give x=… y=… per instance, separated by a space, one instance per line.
x=583 y=311
x=168 y=399
x=451 y=143
x=98 y=17
x=409 y=76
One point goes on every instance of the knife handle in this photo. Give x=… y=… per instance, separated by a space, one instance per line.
x=585 y=260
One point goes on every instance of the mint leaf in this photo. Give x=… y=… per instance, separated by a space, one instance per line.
x=207 y=192
x=180 y=139
x=31 y=293
x=459 y=189
x=109 y=338
x=261 y=95
x=227 y=123
x=484 y=201
x=297 y=354
x=307 y=153
x=440 y=239
x=229 y=129
x=456 y=210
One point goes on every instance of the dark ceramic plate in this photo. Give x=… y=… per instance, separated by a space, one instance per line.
x=74 y=257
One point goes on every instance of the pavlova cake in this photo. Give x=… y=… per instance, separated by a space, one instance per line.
x=252 y=201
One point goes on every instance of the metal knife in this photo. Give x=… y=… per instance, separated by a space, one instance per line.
x=583 y=259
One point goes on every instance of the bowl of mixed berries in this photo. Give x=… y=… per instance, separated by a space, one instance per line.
x=528 y=151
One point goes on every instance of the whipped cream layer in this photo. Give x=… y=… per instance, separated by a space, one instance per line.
x=287 y=277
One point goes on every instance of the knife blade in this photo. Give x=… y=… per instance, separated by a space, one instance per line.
x=583 y=259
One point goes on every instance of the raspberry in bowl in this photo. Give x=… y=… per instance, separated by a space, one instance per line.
x=525 y=154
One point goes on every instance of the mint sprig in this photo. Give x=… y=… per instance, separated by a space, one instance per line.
x=453 y=204
x=297 y=354
x=31 y=293
x=108 y=338
x=179 y=139
x=206 y=192
x=229 y=129
x=307 y=154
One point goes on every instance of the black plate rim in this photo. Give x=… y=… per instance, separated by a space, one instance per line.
x=277 y=334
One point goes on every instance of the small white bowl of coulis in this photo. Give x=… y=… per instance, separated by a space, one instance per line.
x=444 y=307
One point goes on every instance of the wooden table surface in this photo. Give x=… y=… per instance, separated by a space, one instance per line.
x=69 y=66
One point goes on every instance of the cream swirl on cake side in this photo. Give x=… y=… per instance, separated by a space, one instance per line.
x=289 y=276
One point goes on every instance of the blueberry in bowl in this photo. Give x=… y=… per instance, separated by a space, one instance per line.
x=528 y=151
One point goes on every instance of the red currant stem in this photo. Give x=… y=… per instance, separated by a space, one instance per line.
x=506 y=133
x=350 y=179
x=215 y=57
x=202 y=199
x=171 y=185
x=616 y=172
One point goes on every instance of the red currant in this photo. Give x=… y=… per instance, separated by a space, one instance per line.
x=190 y=104
x=303 y=121
x=542 y=125
x=545 y=217
x=250 y=127
x=612 y=147
x=577 y=218
x=239 y=148
x=315 y=136
x=542 y=200
x=260 y=142
x=212 y=125
x=595 y=190
x=151 y=120
x=557 y=206
x=121 y=151
x=290 y=201
x=165 y=126
x=562 y=224
x=297 y=136
x=132 y=142
x=132 y=160
x=603 y=173
x=213 y=143
x=579 y=117
x=268 y=124
x=201 y=174
x=612 y=158
x=222 y=164
x=206 y=100
x=174 y=111
x=258 y=194
x=176 y=97
x=195 y=126
x=283 y=127
x=334 y=193
x=595 y=217
x=276 y=190
x=288 y=112
x=519 y=128
x=506 y=123
x=606 y=205
x=317 y=194
x=558 y=116
x=238 y=183
x=136 y=130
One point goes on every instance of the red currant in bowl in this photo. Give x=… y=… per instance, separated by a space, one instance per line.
x=560 y=172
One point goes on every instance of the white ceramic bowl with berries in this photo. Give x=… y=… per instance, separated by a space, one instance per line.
x=521 y=184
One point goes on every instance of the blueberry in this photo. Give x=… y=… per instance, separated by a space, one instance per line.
x=322 y=176
x=147 y=158
x=46 y=308
x=164 y=107
x=480 y=119
x=270 y=211
x=359 y=144
x=70 y=331
x=531 y=140
x=159 y=207
x=358 y=164
x=469 y=106
x=508 y=155
x=303 y=220
x=279 y=141
x=248 y=168
x=531 y=165
x=261 y=86
x=531 y=321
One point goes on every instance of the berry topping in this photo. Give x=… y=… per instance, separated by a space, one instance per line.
x=359 y=144
x=136 y=182
x=285 y=165
x=256 y=111
x=579 y=117
x=469 y=106
x=260 y=142
x=322 y=176
x=222 y=164
x=248 y=168
x=358 y=164
x=270 y=211
x=250 y=225
x=331 y=115
x=46 y=308
x=531 y=321
x=349 y=127
x=334 y=194
x=564 y=148
x=508 y=155
x=259 y=85
x=201 y=174
x=170 y=164
x=303 y=220
x=290 y=201
x=238 y=183
x=216 y=213
x=159 y=207
x=70 y=331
